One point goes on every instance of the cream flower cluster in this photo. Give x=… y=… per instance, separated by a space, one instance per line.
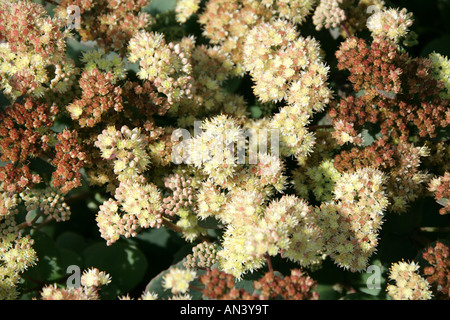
x=8 y=203
x=136 y=205
x=49 y=201
x=185 y=9
x=126 y=148
x=91 y=281
x=350 y=224
x=408 y=283
x=329 y=14
x=285 y=65
x=215 y=150
x=440 y=70
x=95 y=278
x=392 y=24
x=294 y=137
x=320 y=179
x=177 y=280
x=16 y=256
x=204 y=255
x=165 y=64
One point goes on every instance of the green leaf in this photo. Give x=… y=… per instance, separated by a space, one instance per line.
x=156 y=237
x=443 y=202
x=72 y=241
x=52 y=261
x=125 y=263
x=160 y=6
x=327 y=292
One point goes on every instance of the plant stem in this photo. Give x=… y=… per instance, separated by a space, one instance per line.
x=346 y=30
x=31 y=223
x=195 y=288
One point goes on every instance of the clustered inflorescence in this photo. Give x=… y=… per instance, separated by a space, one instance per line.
x=160 y=122
x=437 y=270
x=91 y=282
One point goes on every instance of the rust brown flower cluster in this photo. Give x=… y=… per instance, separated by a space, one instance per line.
x=24 y=134
x=296 y=286
x=395 y=100
x=98 y=96
x=394 y=90
x=68 y=160
x=438 y=270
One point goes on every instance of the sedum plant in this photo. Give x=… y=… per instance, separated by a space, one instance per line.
x=221 y=150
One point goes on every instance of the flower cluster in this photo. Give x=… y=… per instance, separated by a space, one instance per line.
x=285 y=65
x=329 y=14
x=8 y=203
x=441 y=188
x=219 y=285
x=49 y=202
x=25 y=133
x=226 y=23
x=440 y=71
x=70 y=157
x=164 y=64
x=298 y=285
x=204 y=255
x=32 y=51
x=182 y=203
x=91 y=282
x=16 y=256
x=437 y=272
x=136 y=205
x=126 y=148
x=213 y=150
x=109 y=22
x=409 y=284
x=350 y=224
x=185 y=9
x=390 y=80
x=98 y=96
x=295 y=139
x=390 y=24
x=177 y=280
